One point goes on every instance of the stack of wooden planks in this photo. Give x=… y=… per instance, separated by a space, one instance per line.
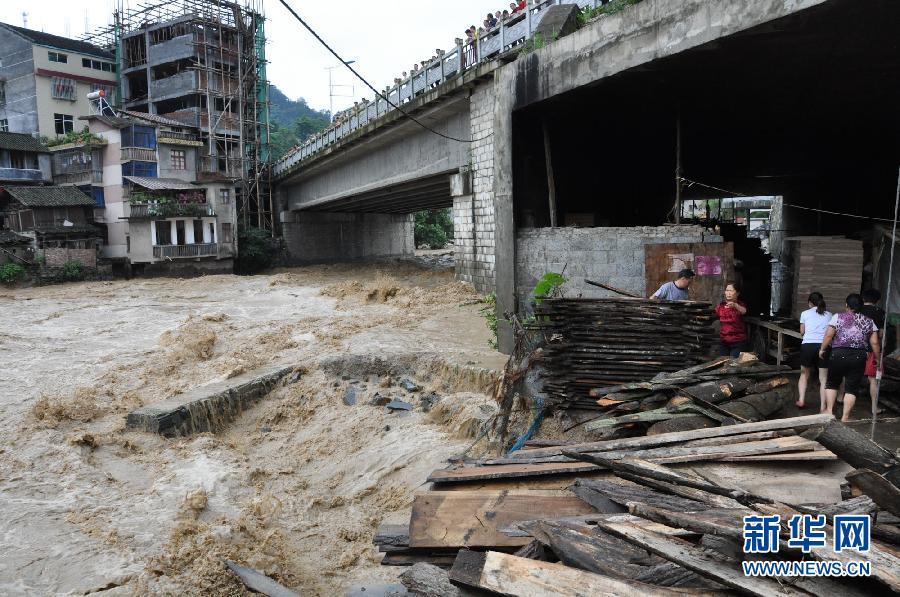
x=637 y=521
x=601 y=342
x=832 y=265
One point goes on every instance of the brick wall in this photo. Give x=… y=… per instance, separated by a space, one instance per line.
x=614 y=256
x=473 y=216
x=56 y=257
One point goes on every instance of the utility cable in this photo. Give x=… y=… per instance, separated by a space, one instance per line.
x=369 y=85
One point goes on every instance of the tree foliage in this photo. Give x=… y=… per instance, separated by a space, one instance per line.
x=292 y=121
x=433 y=228
x=256 y=251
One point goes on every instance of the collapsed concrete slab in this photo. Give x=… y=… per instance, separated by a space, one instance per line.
x=207 y=408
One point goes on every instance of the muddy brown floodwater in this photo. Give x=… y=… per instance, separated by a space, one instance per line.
x=295 y=487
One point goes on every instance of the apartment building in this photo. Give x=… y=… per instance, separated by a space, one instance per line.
x=158 y=213
x=44 y=80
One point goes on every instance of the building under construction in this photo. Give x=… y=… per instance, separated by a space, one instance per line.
x=203 y=63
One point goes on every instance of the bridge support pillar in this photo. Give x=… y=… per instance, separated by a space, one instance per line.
x=318 y=237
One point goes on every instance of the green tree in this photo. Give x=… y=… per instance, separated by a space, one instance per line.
x=307 y=125
x=256 y=250
x=433 y=228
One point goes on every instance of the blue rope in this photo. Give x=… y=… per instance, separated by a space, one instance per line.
x=535 y=424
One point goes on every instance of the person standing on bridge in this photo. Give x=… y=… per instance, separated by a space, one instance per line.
x=677 y=290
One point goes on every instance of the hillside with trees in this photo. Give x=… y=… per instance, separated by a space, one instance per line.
x=292 y=121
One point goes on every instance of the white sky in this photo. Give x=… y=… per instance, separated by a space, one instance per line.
x=385 y=38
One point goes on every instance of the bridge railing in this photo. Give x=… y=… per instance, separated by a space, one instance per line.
x=513 y=31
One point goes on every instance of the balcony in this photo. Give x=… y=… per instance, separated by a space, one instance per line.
x=148 y=211
x=176 y=85
x=140 y=154
x=21 y=174
x=175 y=138
x=216 y=167
x=185 y=251
x=79 y=177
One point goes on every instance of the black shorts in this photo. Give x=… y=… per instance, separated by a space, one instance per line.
x=847 y=365
x=809 y=356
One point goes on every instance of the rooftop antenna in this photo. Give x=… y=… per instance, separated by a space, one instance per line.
x=24 y=19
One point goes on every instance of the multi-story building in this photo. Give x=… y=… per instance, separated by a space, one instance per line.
x=44 y=80
x=37 y=218
x=146 y=172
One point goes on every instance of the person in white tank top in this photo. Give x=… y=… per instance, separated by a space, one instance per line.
x=813 y=325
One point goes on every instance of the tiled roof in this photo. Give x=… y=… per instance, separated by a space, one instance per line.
x=155 y=118
x=21 y=142
x=162 y=184
x=49 y=196
x=8 y=237
x=83 y=229
x=57 y=41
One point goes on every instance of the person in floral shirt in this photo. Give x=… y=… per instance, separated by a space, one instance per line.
x=849 y=335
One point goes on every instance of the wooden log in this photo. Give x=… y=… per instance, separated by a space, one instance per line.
x=879 y=489
x=859 y=505
x=533 y=550
x=889 y=533
x=693 y=558
x=452 y=519
x=797 y=423
x=727 y=522
x=511 y=575
x=753 y=407
x=857 y=450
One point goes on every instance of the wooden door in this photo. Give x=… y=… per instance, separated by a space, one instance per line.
x=713 y=264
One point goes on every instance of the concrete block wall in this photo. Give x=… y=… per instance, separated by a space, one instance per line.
x=318 y=237
x=473 y=215
x=614 y=256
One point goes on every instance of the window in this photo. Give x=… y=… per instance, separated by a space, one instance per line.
x=212 y=232
x=57 y=57
x=86 y=62
x=107 y=67
x=136 y=168
x=178 y=160
x=2 y=92
x=198 y=232
x=64 y=123
x=4 y=125
x=109 y=90
x=163 y=232
x=98 y=65
x=62 y=88
x=224 y=196
x=226 y=233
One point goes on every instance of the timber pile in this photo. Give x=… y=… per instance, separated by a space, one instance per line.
x=721 y=391
x=634 y=523
x=601 y=342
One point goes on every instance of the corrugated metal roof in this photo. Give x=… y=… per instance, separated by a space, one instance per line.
x=162 y=184
x=59 y=42
x=21 y=142
x=49 y=196
x=155 y=118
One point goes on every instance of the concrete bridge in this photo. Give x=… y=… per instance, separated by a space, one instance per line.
x=761 y=97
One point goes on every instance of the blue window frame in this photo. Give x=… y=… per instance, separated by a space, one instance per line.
x=97 y=194
x=139 y=136
x=135 y=168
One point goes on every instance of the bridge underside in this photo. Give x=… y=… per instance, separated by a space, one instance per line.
x=431 y=192
x=804 y=107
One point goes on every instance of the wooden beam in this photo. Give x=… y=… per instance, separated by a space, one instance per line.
x=551 y=183
x=512 y=575
x=482 y=473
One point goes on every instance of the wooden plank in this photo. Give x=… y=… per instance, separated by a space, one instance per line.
x=413 y=557
x=816 y=455
x=523 y=528
x=690 y=493
x=483 y=473
x=626 y=492
x=879 y=489
x=392 y=537
x=587 y=548
x=512 y=575
x=798 y=423
x=693 y=558
x=446 y=519
x=727 y=522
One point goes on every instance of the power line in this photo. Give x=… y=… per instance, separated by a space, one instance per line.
x=369 y=85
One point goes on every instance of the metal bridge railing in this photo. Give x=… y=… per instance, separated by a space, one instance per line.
x=511 y=32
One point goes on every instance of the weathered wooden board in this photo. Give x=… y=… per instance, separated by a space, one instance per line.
x=482 y=473
x=879 y=489
x=446 y=519
x=659 y=264
x=512 y=575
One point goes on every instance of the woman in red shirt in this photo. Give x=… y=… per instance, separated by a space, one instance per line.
x=733 y=333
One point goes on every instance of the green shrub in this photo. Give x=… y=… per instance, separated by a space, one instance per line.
x=256 y=251
x=11 y=272
x=587 y=14
x=549 y=286
x=489 y=312
x=433 y=228
x=73 y=270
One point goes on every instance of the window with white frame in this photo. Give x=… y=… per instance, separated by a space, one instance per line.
x=178 y=159
x=4 y=125
x=224 y=196
x=64 y=123
x=62 y=88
